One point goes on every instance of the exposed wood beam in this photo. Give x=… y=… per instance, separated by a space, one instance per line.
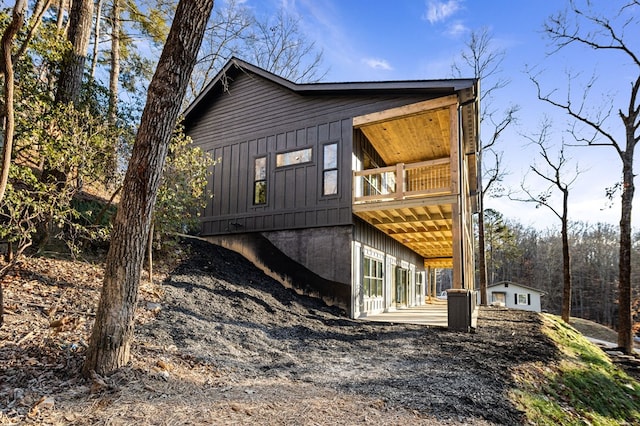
x=416 y=219
x=400 y=204
x=404 y=111
x=393 y=232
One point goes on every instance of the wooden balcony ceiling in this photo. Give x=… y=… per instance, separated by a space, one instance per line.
x=412 y=133
x=425 y=229
x=411 y=139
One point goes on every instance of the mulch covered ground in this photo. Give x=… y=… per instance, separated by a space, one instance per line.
x=218 y=342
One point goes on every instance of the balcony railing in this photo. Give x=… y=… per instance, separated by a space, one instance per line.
x=402 y=181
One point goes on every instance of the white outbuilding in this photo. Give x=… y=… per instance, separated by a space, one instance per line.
x=514 y=295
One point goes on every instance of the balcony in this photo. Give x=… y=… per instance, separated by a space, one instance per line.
x=402 y=182
x=411 y=203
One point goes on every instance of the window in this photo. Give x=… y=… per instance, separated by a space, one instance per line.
x=523 y=299
x=260 y=181
x=330 y=169
x=293 y=157
x=372 y=281
x=499 y=298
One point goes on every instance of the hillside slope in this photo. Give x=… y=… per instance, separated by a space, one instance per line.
x=218 y=342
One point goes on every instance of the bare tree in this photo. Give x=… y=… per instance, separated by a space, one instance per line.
x=276 y=43
x=553 y=173
x=605 y=35
x=224 y=38
x=112 y=333
x=485 y=62
x=279 y=46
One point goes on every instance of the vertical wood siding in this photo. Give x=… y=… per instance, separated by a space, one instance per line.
x=258 y=118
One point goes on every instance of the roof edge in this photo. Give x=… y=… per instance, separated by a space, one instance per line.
x=445 y=85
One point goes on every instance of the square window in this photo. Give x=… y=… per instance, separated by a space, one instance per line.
x=523 y=299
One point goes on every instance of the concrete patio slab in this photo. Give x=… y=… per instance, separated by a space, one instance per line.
x=433 y=314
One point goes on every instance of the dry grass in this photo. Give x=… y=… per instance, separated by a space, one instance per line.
x=594 y=330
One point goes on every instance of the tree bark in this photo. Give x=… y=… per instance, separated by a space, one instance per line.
x=62 y=5
x=114 y=74
x=70 y=82
x=566 y=260
x=6 y=67
x=112 y=334
x=96 y=39
x=625 y=329
x=39 y=10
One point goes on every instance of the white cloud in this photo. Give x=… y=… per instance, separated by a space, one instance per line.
x=377 y=64
x=457 y=29
x=438 y=11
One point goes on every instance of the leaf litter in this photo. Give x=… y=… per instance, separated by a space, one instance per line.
x=218 y=342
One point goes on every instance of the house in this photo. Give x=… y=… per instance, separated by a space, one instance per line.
x=353 y=192
x=515 y=296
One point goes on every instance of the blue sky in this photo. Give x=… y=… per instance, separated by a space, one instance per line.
x=367 y=40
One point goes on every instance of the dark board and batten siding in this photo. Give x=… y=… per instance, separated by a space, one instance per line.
x=260 y=118
x=294 y=193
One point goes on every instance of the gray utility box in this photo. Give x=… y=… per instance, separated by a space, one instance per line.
x=459 y=309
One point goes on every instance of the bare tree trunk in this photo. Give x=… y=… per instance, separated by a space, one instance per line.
x=68 y=91
x=566 y=265
x=70 y=82
x=114 y=75
x=39 y=10
x=112 y=333
x=96 y=39
x=625 y=330
x=6 y=67
x=62 y=5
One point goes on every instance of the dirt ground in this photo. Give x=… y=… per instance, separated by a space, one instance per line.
x=218 y=342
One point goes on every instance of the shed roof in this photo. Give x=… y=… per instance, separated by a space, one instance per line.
x=501 y=283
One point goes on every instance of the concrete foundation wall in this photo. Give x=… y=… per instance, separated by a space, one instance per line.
x=289 y=271
x=325 y=251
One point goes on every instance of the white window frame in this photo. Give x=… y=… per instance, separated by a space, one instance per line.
x=523 y=299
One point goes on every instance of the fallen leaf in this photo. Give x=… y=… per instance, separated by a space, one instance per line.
x=164 y=365
x=46 y=403
x=59 y=322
